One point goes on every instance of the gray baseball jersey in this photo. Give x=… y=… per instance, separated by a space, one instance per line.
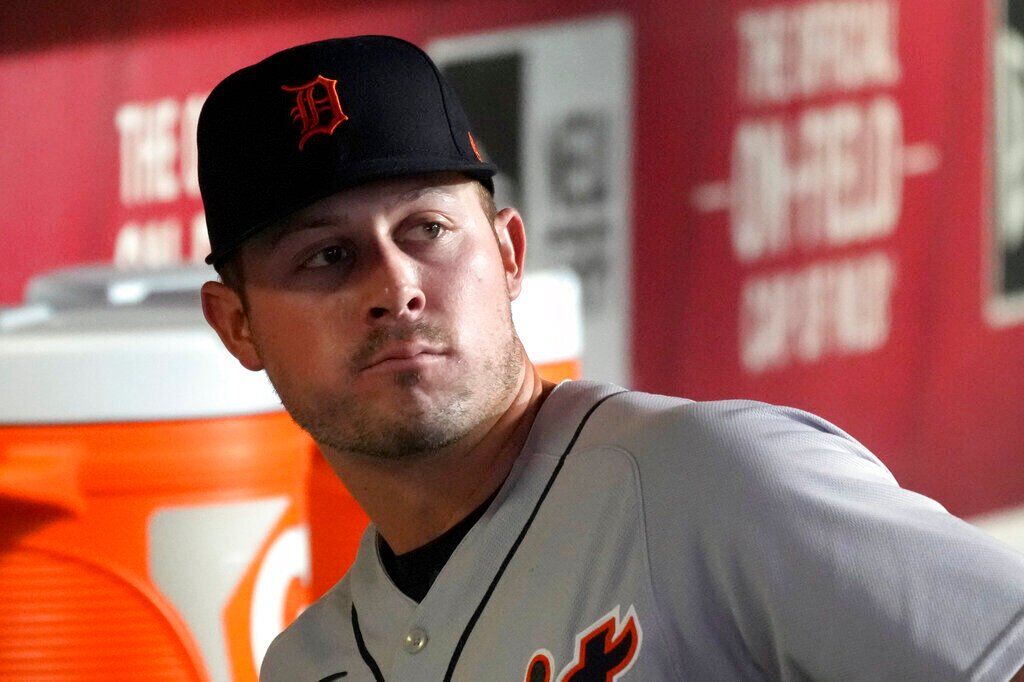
x=643 y=537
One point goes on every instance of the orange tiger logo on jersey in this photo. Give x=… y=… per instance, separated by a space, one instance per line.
x=604 y=652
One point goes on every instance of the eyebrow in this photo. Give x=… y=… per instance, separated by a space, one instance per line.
x=315 y=222
x=414 y=194
x=311 y=224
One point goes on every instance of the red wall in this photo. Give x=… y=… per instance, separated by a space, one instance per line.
x=931 y=388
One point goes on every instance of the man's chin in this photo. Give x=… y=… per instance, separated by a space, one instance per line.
x=389 y=423
x=402 y=440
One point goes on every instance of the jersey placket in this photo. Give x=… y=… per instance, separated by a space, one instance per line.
x=417 y=642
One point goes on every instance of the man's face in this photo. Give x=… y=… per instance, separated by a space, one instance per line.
x=382 y=314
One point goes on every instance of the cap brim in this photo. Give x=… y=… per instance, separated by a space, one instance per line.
x=370 y=172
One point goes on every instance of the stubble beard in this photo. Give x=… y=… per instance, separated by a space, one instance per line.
x=345 y=423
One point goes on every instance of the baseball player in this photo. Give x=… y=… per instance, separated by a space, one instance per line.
x=521 y=530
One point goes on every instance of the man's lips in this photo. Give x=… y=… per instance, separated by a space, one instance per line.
x=404 y=355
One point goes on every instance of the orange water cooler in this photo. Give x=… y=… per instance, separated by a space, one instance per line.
x=152 y=497
x=548 y=319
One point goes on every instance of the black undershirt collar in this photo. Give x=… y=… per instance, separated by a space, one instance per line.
x=413 y=572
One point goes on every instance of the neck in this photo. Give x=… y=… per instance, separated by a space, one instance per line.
x=414 y=502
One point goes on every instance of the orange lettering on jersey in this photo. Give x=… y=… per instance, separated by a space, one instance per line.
x=604 y=651
x=539 y=669
x=317 y=107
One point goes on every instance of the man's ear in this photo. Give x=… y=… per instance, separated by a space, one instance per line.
x=511 y=235
x=223 y=309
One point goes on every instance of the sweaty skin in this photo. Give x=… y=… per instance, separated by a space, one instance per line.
x=382 y=317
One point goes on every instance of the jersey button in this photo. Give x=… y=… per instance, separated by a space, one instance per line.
x=415 y=640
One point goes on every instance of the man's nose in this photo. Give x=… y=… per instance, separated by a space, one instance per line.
x=395 y=291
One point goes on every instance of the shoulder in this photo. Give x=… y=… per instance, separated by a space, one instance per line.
x=735 y=438
x=741 y=473
x=310 y=644
x=635 y=413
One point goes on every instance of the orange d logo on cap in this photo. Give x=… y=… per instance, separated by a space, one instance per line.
x=318 y=111
x=259 y=126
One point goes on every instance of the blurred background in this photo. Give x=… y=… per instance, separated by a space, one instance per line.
x=815 y=203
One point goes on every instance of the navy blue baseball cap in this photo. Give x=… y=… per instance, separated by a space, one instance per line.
x=314 y=119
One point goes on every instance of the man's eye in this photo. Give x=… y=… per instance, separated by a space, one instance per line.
x=326 y=256
x=427 y=231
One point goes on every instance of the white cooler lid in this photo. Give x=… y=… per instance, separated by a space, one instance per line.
x=95 y=345
x=132 y=363
x=105 y=285
x=547 y=316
